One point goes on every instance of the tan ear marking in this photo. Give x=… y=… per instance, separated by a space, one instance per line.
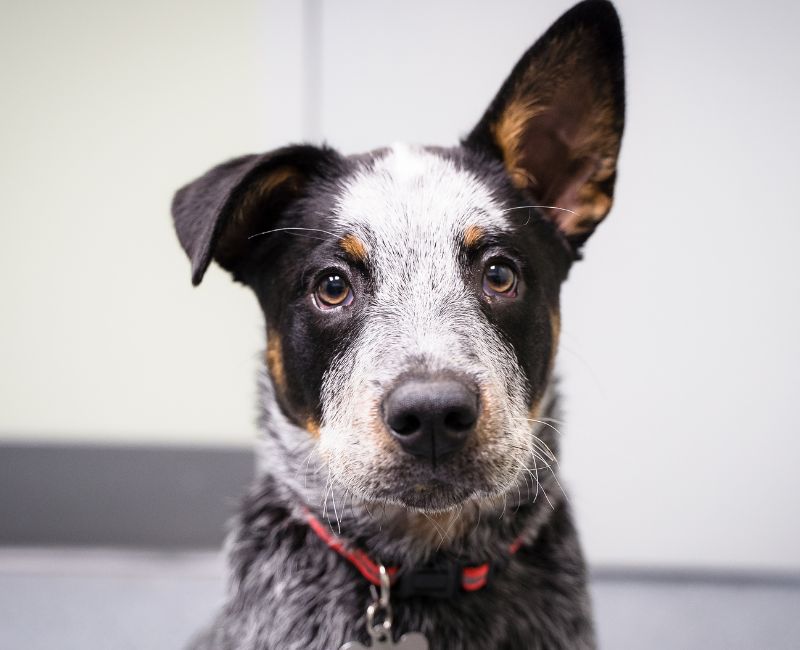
x=261 y=188
x=354 y=247
x=559 y=130
x=508 y=133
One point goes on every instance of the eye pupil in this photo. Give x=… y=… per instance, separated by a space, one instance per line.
x=334 y=286
x=498 y=275
x=333 y=290
x=499 y=279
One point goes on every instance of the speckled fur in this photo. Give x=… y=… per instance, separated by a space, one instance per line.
x=394 y=223
x=289 y=591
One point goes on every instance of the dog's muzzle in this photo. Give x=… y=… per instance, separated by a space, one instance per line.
x=431 y=418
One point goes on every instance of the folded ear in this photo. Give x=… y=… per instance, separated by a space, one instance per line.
x=216 y=214
x=557 y=121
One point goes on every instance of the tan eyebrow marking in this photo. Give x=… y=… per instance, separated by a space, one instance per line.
x=473 y=236
x=354 y=247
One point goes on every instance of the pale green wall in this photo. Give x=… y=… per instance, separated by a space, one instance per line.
x=107 y=107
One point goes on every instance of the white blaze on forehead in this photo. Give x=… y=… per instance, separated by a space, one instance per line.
x=417 y=192
x=404 y=164
x=411 y=209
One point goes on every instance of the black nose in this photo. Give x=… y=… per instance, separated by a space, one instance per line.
x=431 y=418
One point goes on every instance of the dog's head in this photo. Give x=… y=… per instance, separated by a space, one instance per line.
x=411 y=294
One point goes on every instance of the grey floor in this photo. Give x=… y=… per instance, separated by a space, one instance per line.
x=62 y=599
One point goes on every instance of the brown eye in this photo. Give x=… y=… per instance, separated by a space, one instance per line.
x=499 y=279
x=333 y=291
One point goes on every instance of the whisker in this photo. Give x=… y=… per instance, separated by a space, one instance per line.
x=347 y=502
x=549 y=467
x=290 y=228
x=535 y=451
x=535 y=476
x=542 y=447
x=528 y=486
x=548 y=207
x=456 y=515
x=561 y=422
x=438 y=528
x=550 y=503
x=534 y=479
x=328 y=487
x=479 y=520
x=335 y=513
x=558 y=483
x=297 y=234
x=306 y=470
x=547 y=424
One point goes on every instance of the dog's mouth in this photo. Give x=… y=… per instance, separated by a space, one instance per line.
x=419 y=484
x=434 y=496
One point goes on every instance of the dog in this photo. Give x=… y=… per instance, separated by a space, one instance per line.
x=407 y=491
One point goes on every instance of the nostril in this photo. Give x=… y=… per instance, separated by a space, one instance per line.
x=459 y=420
x=404 y=424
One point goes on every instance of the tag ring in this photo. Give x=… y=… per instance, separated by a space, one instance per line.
x=381 y=605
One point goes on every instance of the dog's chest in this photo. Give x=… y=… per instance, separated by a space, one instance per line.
x=306 y=597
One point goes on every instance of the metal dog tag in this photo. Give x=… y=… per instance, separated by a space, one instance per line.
x=379 y=624
x=412 y=641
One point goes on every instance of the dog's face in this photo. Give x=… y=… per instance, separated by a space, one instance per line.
x=411 y=294
x=413 y=322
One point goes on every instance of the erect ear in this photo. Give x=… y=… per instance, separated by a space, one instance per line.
x=557 y=121
x=216 y=214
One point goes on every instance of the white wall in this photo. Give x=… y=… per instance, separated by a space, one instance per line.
x=679 y=355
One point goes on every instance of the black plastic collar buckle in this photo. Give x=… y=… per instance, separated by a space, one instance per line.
x=441 y=580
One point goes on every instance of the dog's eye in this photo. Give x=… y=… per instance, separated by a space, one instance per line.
x=499 y=280
x=333 y=291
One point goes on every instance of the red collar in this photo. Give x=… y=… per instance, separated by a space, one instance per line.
x=441 y=580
